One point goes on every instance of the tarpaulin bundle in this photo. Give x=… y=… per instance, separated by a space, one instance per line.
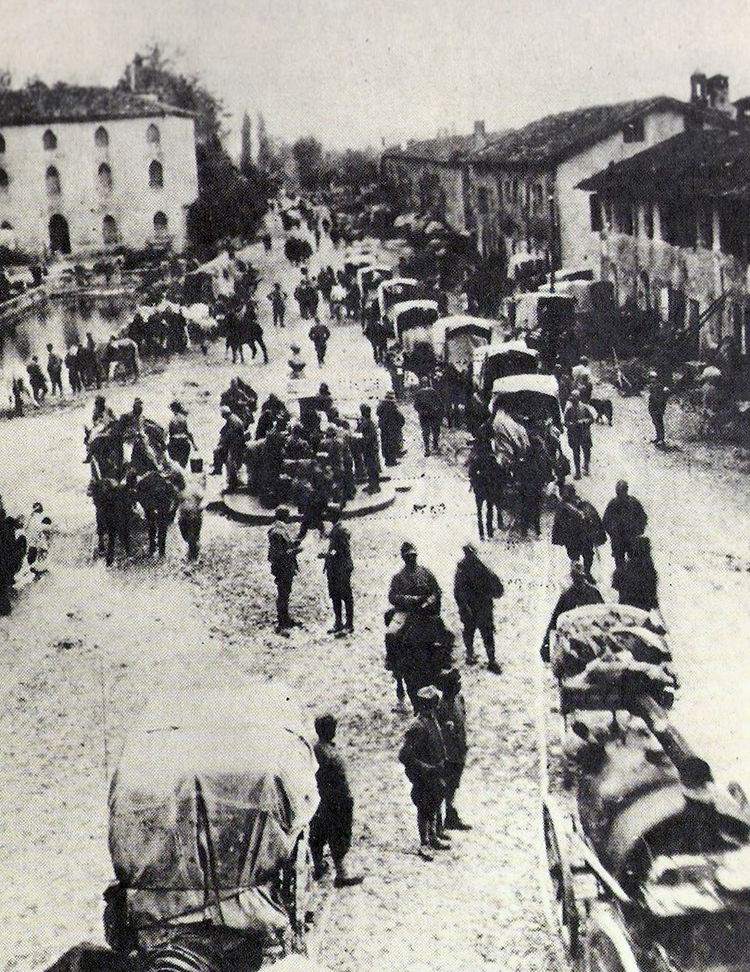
x=211 y=793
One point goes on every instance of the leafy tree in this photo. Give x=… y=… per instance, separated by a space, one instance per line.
x=308 y=154
x=355 y=168
x=246 y=150
x=265 y=148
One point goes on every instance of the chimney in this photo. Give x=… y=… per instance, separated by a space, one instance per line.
x=717 y=91
x=698 y=94
x=480 y=134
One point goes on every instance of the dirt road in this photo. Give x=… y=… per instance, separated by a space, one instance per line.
x=85 y=647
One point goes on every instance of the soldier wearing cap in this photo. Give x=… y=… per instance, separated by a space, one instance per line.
x=423 y=756
x=451 y=714
x=338 y=567
x=391 y=423
x=475 y=588
x=282 y=555
x=415 y=630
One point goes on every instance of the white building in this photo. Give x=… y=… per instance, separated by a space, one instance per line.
x=84 y=170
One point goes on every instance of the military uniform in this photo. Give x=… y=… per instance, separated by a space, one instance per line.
x=338 y=568
x=332 y=823
x=423 y=756
x=282 y=555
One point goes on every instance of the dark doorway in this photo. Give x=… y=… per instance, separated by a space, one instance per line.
x=59 y=235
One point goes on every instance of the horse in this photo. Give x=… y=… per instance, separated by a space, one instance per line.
x=113 y=505
x=157 y=494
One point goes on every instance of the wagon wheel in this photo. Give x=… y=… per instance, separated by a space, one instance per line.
x=558 y=866
x=608 y=948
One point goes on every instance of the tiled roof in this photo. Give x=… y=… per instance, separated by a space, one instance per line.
x=39 y=105
x=557 y=137
x=445 y=148
x=711 y=164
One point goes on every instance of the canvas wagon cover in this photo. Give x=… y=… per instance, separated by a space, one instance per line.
x=212 y=791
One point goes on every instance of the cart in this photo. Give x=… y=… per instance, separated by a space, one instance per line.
x=209 y=813
x=648 y=858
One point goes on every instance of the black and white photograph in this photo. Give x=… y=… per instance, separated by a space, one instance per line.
x=374 y=486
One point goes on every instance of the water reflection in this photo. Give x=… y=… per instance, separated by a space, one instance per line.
x=62 y=322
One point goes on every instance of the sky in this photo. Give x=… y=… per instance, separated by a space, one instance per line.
x=357 y=72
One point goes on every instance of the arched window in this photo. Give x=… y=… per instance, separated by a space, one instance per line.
x=101 y=137
x=153 y=135
x=2 y=144
x=49 y=140
x=160 y=226
x=53 y=181
x=4 y=180
x=155 y=175
x=109 y=230
x=105 y=177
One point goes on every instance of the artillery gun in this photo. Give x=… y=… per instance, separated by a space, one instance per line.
x=649 y=858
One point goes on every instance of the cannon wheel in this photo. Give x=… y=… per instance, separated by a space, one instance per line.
x=558 y=867
x=607 y=945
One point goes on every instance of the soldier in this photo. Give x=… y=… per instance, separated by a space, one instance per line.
x=475 y=587
x=332 y=823
x=451 y=715
x=278 y=300
x=429 y=408
x=231 y=448
x=319 y=335
x=313 y=500
x=658 y=396
x=37 y=381
x=578 y=419
x=391 y=423
x=71 y=363
x=416 y=640
x=423 y=756
x=338 y=566
x=370 y=448
x=54 y=370
x=624 y=520
x=394 y=363
x=282 y=555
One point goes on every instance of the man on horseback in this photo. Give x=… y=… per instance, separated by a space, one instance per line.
x=418 y=645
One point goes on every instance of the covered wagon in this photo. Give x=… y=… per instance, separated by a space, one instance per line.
x=208 y=821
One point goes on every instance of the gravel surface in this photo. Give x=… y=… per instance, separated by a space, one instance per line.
x=86 y=646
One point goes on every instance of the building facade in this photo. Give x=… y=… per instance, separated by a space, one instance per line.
x=523 y=186
x=673 y=232
x=86 y=170
x=431 y=176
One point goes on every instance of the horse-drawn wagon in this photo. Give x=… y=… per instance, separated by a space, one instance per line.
x=501 y=359
x=458 y=336
x=413 y=321
x=208 y=830
x=648 y=858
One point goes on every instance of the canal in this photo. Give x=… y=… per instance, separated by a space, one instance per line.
x=61 y=322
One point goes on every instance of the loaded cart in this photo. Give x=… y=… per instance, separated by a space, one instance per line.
x=209 y=813
x=648 y=857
